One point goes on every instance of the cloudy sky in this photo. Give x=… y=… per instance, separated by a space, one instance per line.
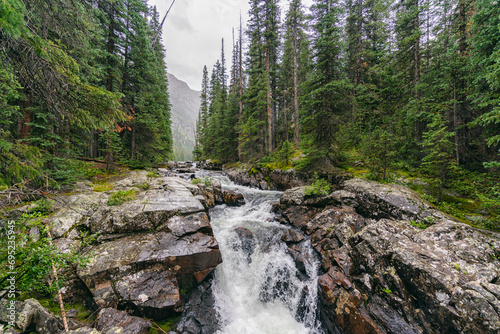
x=193 y=31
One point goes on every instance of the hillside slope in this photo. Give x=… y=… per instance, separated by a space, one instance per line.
x=185 y=106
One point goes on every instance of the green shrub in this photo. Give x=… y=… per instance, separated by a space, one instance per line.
x=121 y=196
x=143 y=186
x=205 y=180
x=421 y=226
x=34 y=256
x=320 y=187
x=152 y=173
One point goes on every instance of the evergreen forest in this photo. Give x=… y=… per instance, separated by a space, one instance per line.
x=80 y=79
x=382 y=88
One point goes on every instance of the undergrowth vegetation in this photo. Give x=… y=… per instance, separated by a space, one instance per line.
x=471 y=196
x=319 y=187
x=203 y=180
x=121 y=196
x=34 y=253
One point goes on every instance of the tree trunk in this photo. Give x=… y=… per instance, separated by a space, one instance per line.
x=132 y=149
x=416 y=53
x=111 y=46
x=268 y=100
x=23 y=127
x=240 y=60
x=295 y=92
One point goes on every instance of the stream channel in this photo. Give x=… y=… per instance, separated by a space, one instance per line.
x=258 y=288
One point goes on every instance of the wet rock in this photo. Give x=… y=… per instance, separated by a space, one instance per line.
x=386 y=276
x=210 y=165
x=71 y=313
x=113 y=321
x=148 y=257
x=183 y=225
x=293 y=197
x=232 y=198
x=302 y=260
x=291 y=236
x=282 y=180
x=199 y=315
x=211 y=193
x=245 y=242
x=148 y=248
x=150 y=293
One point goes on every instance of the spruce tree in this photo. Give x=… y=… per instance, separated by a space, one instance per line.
x=293 y=72
x=327 y=98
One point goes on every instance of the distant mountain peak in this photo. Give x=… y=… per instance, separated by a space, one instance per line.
x=185 y=107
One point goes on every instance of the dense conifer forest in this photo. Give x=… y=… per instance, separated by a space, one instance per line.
x=82 y=79
x=403 y=87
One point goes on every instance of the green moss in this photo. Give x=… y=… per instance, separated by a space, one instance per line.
x=121 y=196
x=233 y=165
x=388 y=291
x=358 y=172
x=143 y=186
x=207 y=181
x=82 y=314
x=102 y=186
x=420 y=225
x=254 y=170
x=152 y=174
x=164 y=326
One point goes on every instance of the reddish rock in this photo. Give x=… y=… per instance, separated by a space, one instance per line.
x=232 y=198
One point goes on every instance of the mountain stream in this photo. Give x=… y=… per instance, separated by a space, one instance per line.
x=258 y=288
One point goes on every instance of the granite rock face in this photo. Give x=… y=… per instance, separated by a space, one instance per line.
x=383 y=275
x=150 y=251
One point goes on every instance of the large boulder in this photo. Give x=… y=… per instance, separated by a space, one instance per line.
x=150 y=251
x=142 y=271
x=383 y=275
x=200 y=315
x=394 y=201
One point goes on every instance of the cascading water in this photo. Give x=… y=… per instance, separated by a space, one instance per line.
x=258 y=288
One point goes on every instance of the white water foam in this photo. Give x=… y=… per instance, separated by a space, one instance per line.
x=257 y=289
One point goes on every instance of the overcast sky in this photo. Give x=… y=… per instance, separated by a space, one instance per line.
x=193 y=31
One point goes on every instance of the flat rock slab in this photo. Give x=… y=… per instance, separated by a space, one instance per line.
x=182 y=225
x=166 y=197
x=176 y=197
x=390 y=201
x=110 y=321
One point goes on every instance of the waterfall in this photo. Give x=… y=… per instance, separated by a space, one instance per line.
x=258 y=288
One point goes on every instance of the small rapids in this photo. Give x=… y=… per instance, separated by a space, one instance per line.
x=258 y=288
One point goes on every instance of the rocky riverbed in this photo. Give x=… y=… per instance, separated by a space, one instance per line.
x=149 y=253
x=390 y=262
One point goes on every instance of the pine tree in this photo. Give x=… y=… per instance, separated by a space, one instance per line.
x=439 y=160
x=262 y=67
x=327 y=98
x=293 y=71
x=485 y=59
